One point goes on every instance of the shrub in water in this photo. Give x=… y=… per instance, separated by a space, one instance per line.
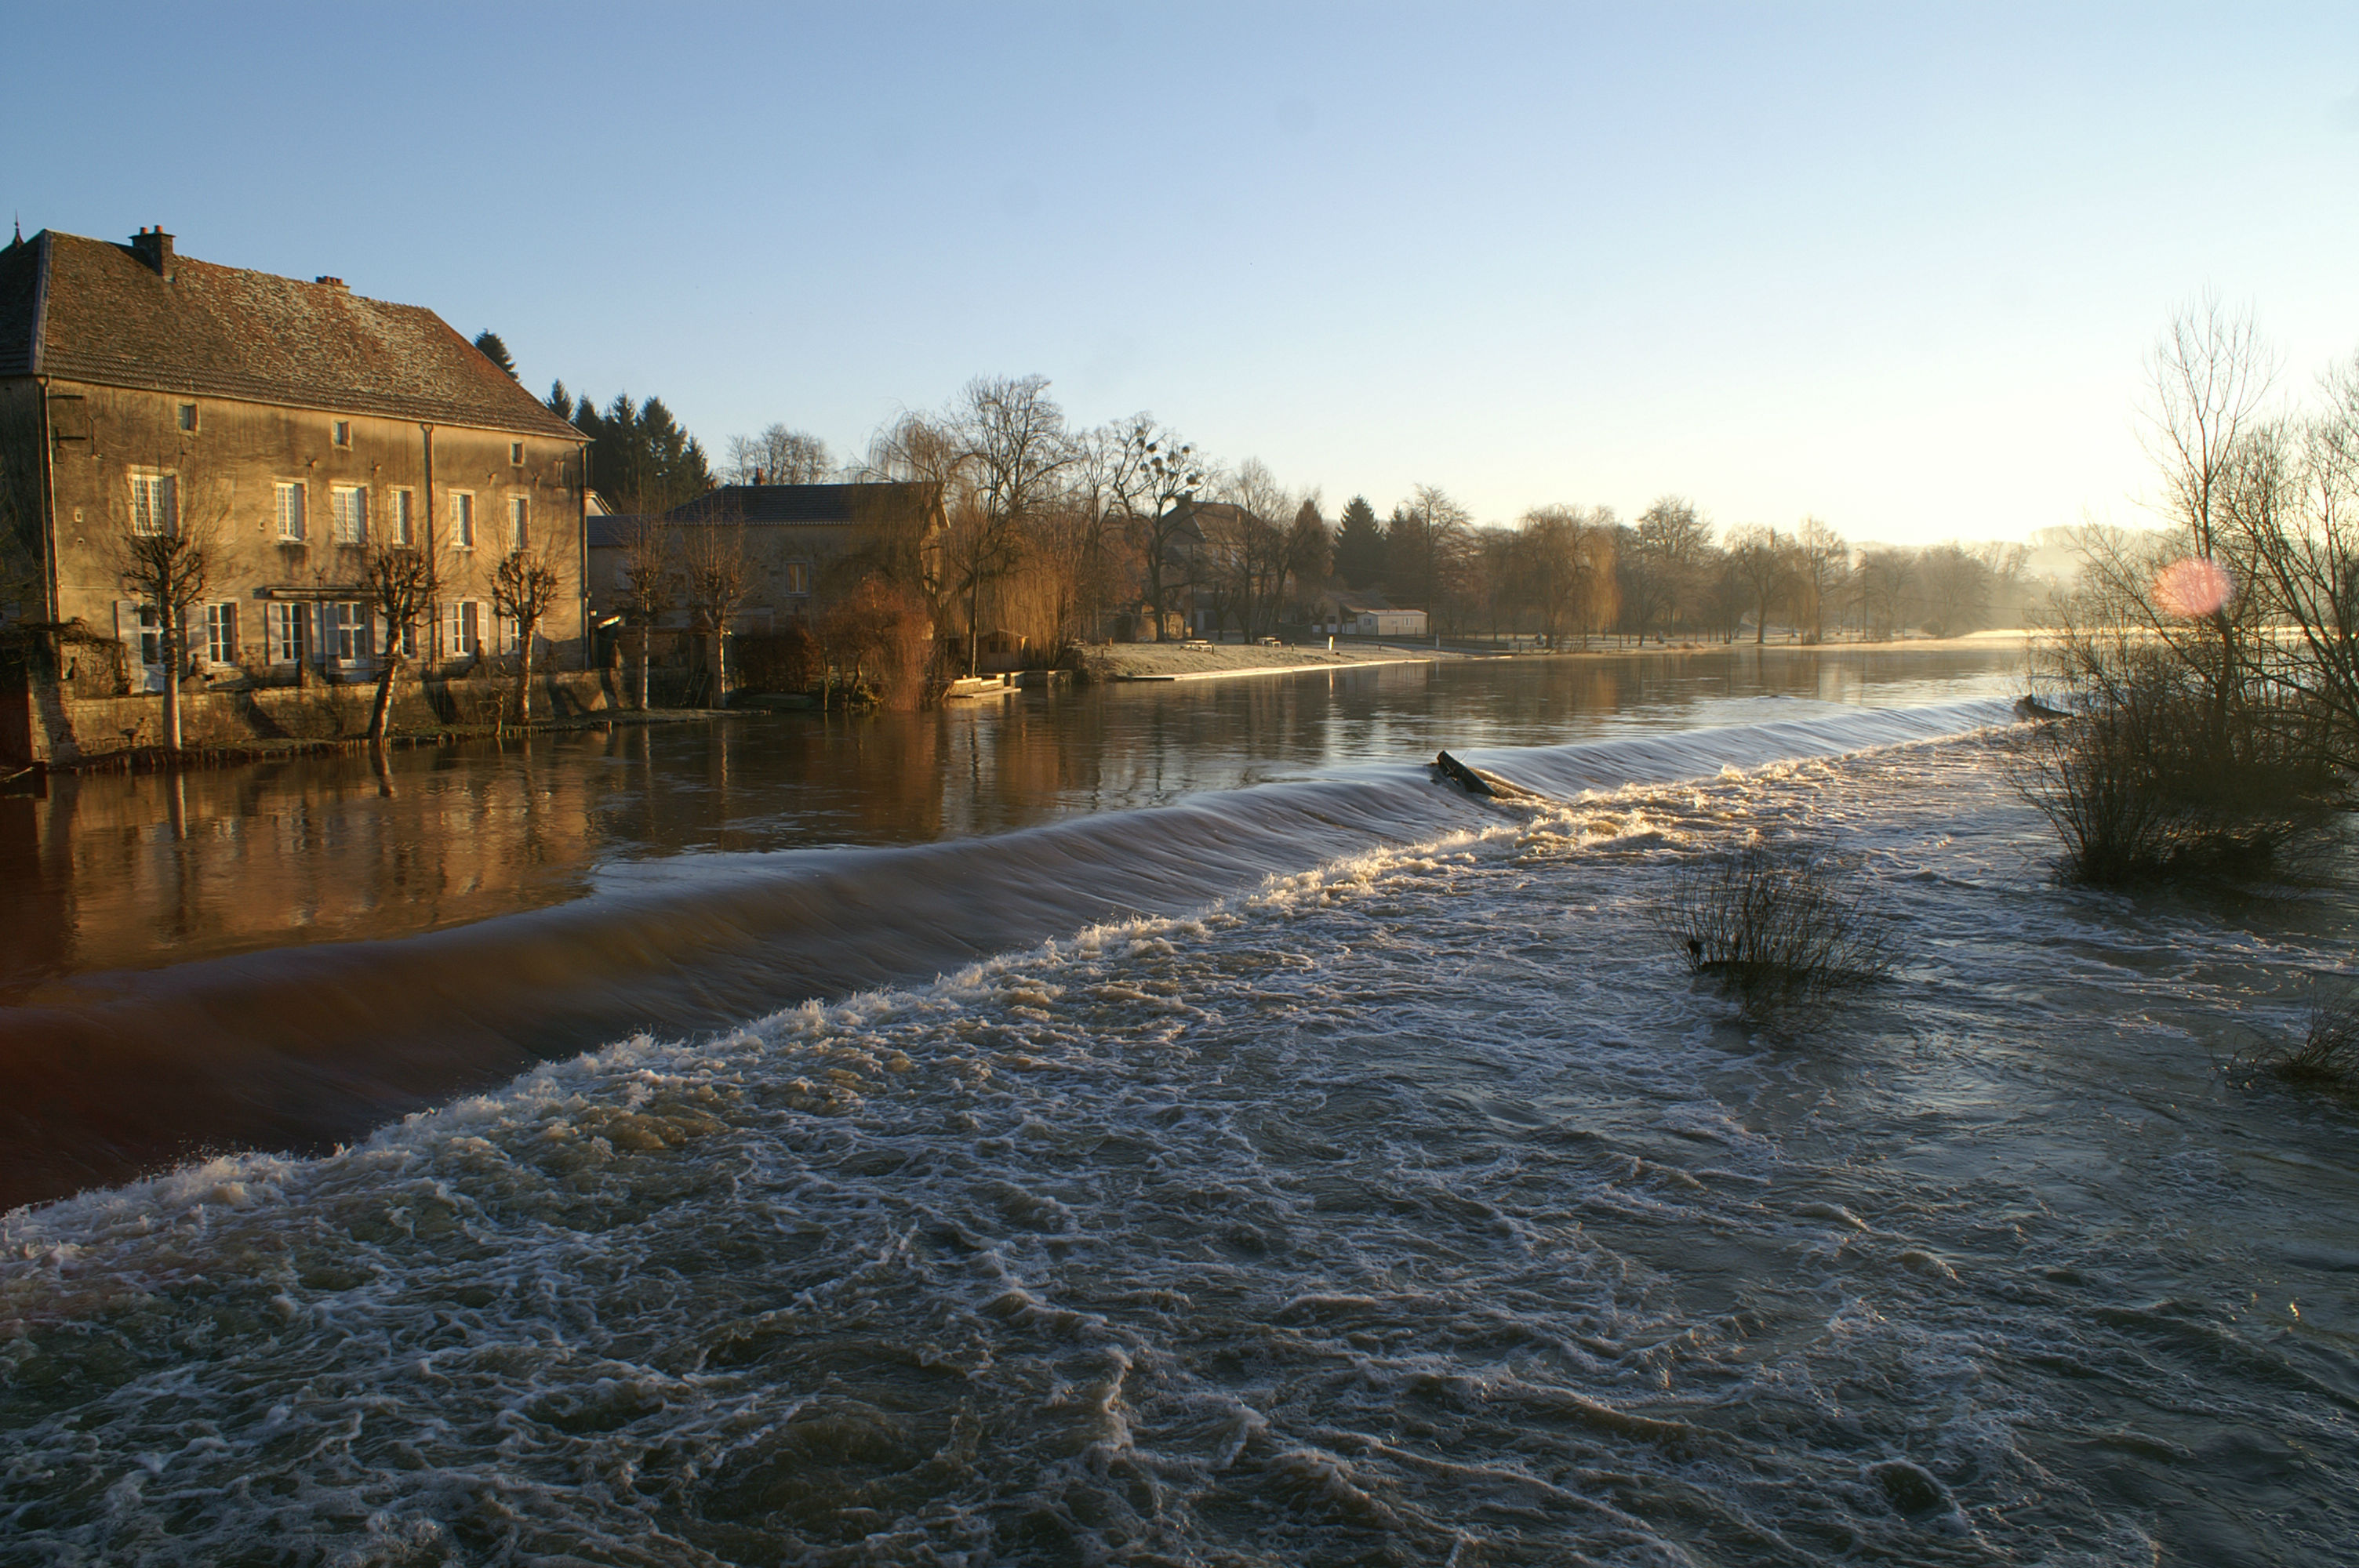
x=1774 y=923
x=2151 y=777
x=2326 y=1059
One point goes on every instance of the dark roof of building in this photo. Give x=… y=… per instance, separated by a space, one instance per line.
x=608 y=529
x=93 y=312
x=821 y=504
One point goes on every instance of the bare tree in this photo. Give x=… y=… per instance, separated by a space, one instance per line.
x=713 y=556
x=1425 y=549
x=1661 y=567
x=1821 y=566
x=2293 y=503
x=1168 y=473
x=1563 y=566
x=1887 y=584
x=1016 y=445
x=780 y=455
x=524 y=589
x=1763 y=567
x=646 y=584
x=163 y=549
x=1108 y=482
x=1249 y=544
x=2210 y=372
x=401 y=582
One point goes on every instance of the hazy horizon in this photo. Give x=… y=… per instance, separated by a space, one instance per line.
x=1898 y=273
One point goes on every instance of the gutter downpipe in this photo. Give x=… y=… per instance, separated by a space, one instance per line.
x=50 y=596
x=434 y=634
x=581 y=539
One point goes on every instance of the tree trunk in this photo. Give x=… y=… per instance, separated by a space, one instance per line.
x=524 y=675
x=383 y=707
x=646 y=647
x=171 y=682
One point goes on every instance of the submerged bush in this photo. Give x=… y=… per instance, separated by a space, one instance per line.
x=1774 y=923
x=2327 y=1057
x=2152 y=776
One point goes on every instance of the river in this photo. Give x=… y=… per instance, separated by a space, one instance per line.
x=1213 y=1140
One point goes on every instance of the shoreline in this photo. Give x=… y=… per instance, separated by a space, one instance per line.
x=1166 y=663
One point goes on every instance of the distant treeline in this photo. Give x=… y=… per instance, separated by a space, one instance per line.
x=1062 y=534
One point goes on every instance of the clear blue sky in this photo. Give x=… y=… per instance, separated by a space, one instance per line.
x=1897 y=265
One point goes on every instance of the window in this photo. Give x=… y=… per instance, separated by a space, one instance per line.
x=406 y=640
x=151 y=634
x=221 y=633
x=151 y=505
x=351 y=504
x=290 y=512
x=510 y=632
x=343 y=432
x=462 y=638
x=188 y=418
x=462 y=521
x=345 y=630
x=515 y=453
x=286 y=639
x=798 y=577
x=402 y=520
x=516 y=507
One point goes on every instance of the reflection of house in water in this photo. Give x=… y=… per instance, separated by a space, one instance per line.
x=159 y=869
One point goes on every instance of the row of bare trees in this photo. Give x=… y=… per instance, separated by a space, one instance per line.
x=1574 y=572
x=2249 y=593
x=1052 y=531
x=167 y=553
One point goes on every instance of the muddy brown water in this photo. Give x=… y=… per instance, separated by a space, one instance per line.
x=285 y=956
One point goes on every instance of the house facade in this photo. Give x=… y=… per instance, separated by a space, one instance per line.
x=805 y=543
x=294 y=426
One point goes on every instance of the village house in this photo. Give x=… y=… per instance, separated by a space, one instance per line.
x=805 y=544
x=298 y=425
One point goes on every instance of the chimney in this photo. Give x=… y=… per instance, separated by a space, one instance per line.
x=154 y=247
x=330 y=282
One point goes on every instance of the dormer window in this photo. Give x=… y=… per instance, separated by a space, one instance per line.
x=343 y=432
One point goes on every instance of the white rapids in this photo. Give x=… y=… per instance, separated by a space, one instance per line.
x=1408 y=1207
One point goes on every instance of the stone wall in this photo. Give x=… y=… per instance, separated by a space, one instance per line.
x=44 y=722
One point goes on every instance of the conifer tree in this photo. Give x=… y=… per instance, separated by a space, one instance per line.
x=488 y=344
x=640 y=457
x=1360 y=546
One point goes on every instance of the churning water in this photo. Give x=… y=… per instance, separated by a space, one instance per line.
x=1408 y=1207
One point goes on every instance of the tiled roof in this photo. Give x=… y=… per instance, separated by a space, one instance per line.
x=609 y=529
x=823 y=504
x=93 y=311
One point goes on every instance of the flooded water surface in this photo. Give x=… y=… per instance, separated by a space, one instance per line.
x=1244 y=1152
x=284 y=955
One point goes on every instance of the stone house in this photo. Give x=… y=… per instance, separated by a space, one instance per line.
x=805 y=543
x=299 y=424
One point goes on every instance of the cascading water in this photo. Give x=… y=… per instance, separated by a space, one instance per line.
x=1331 y=1173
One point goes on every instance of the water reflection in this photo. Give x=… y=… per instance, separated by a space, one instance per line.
x=114 y=872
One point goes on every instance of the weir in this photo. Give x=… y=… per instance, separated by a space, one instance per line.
x=297 y=1049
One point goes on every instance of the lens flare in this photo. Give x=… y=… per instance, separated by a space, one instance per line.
x=2194 y=587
